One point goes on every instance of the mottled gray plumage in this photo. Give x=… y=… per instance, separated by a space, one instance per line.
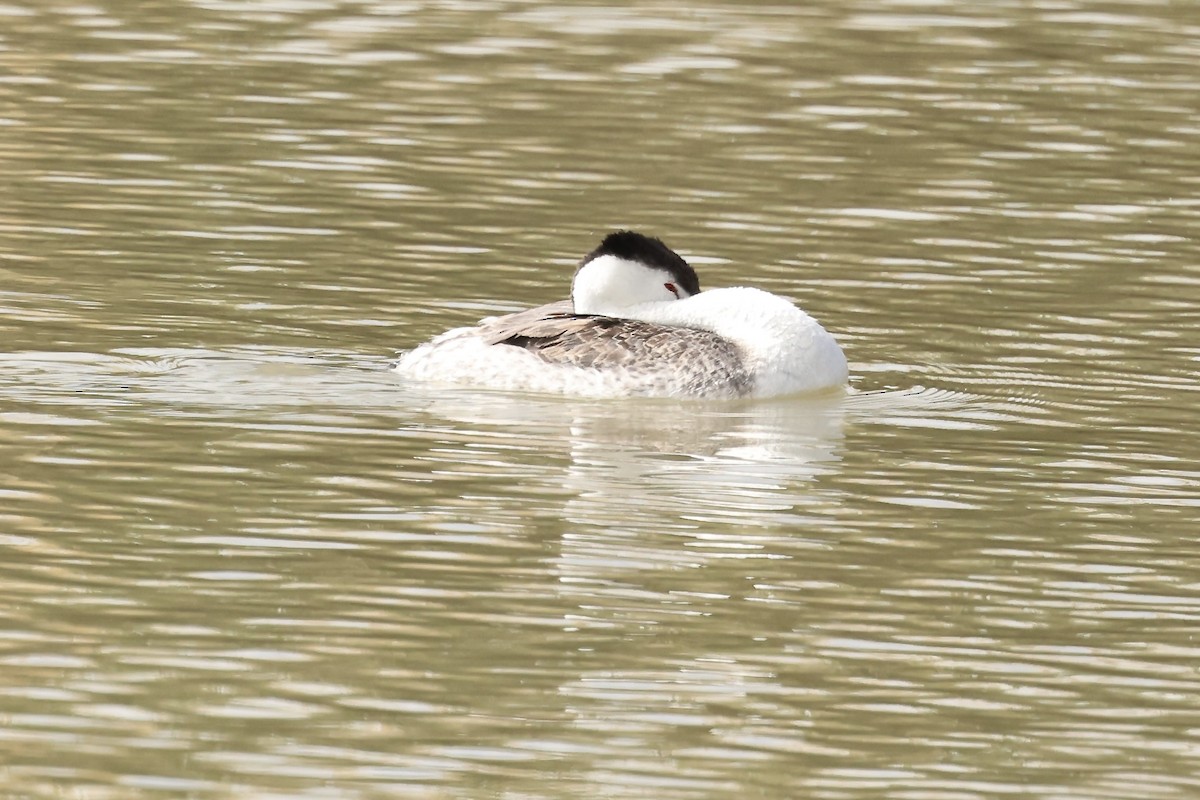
x=702 y=362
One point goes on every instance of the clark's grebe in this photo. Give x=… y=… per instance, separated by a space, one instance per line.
x=637 y=324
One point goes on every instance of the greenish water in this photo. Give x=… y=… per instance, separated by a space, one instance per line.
x=241 y=559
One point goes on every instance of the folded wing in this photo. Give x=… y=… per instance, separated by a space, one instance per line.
x=693 y=360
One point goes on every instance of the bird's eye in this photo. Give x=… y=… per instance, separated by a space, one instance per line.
x=670 y=287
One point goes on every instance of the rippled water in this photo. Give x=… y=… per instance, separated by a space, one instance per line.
x=242 y=559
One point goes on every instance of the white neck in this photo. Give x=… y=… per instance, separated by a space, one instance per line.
x=785 y=348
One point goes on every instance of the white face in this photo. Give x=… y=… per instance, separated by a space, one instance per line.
x=608 y=285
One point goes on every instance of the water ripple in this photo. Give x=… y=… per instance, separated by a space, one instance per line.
x=241 y=556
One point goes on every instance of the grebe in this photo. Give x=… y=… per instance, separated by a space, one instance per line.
x=637 y=324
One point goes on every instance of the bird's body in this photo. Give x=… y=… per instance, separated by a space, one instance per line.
x=638 y=325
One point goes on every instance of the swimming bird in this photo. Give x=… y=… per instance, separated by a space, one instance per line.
x=637 y=324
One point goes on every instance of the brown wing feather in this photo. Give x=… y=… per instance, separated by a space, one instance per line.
x=701 y=361
x=496 y=329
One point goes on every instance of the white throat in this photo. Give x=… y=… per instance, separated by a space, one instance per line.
x=784 y=347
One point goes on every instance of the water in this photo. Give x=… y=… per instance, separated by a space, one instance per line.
x=242 y=559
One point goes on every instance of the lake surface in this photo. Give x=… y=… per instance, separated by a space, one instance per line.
x=242 y=559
